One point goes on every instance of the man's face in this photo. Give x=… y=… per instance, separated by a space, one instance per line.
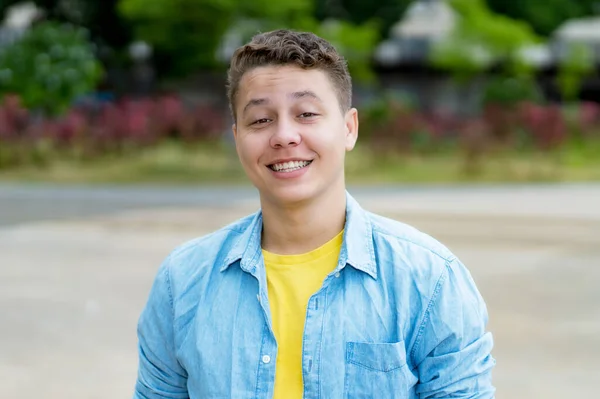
x=291 y=135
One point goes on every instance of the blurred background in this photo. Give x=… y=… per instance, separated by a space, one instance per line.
x=479 y=124
x=133 y=91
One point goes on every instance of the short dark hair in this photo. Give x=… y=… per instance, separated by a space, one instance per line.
x=287 y=47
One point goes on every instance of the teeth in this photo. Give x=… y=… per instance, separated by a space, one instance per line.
x=289 y=166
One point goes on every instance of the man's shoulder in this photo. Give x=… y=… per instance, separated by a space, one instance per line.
x=410 y=239
x=406 y=254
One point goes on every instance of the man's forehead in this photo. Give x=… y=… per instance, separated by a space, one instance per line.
x=288 y=78
x=265 y=96
x=263 y=85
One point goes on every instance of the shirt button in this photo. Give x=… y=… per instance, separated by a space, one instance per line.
x=337 y=274
x=266 y=359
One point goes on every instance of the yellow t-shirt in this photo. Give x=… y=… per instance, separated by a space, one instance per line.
x=291 y=281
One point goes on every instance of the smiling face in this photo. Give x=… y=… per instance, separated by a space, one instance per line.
x=291 y=133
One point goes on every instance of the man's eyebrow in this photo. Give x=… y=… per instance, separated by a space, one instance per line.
x=254 y=102
x=305 y=93
x=295 y=95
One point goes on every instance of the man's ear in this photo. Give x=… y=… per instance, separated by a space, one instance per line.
x=351 y=121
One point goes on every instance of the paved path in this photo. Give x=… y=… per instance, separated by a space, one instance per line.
x=72 y=282
x=34 y=202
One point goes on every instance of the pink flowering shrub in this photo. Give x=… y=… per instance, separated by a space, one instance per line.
x=92 y=130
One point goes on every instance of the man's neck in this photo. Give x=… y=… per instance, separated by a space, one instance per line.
x=303 y=227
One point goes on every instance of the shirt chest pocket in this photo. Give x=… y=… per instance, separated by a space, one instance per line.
x=377 y=370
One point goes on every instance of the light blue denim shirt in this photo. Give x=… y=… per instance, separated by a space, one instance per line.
x=400 y=317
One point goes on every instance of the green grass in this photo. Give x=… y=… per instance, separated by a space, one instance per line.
x=167 y=163
x=176 y=163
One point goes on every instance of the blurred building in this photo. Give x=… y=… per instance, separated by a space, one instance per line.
x=582 y=31
x=411 y=38
x=18 y=19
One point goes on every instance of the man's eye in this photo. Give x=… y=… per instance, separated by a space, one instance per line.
x=307 y=115
x=260 y=121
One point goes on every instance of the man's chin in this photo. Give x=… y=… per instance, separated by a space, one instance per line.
x=289 y=195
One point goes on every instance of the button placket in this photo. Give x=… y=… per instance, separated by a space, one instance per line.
x=266 y=369
x=312 y=343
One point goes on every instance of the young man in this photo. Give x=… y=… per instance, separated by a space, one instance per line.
x=312 y=296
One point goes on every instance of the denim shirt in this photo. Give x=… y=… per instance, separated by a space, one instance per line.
x=400 y=317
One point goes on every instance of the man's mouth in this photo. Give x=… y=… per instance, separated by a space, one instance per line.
x=289 y=166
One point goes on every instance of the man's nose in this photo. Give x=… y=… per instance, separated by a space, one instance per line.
x=285 y=135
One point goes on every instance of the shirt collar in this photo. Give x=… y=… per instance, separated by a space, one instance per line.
x=357 y=248
x=247 y=248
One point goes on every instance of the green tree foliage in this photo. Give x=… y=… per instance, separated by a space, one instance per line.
x=482 y=39
x=49 y=67
x=544 y=16
x=189 y=32
x=575 y=67
x=186 y=31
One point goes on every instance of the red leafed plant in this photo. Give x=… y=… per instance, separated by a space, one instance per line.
x=94 y=129
x=546 y=124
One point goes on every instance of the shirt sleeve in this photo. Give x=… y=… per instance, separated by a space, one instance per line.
x=160 y=375
x=453 y=351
